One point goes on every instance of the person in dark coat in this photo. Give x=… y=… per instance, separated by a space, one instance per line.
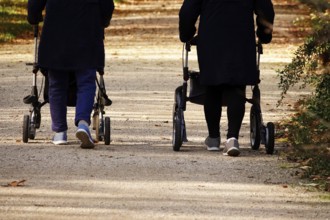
x=226 y=48
x=71 y=44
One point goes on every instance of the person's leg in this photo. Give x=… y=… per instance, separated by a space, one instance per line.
x=86 y=89
x=57 y=92
x=58 y=85
x=235 y=96
x=235 y=109
x=212 y=112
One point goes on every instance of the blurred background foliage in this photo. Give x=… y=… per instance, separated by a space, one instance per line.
x=13 y=24
x=307 y=131
x=310 y=66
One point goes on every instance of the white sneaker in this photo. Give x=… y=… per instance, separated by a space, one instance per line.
x=60 y=138
x=231 y=147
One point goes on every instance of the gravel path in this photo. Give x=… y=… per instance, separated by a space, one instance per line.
x=138 y=176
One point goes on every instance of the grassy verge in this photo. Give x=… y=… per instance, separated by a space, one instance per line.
x=308 y=131
x=13 y=23
x=308 y=139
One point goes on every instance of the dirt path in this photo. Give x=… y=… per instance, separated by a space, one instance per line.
x=139 y=176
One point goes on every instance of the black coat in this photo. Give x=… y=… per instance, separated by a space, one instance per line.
x=73 y=32
x=226 y=37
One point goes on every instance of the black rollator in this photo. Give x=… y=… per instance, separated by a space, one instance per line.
x=32 y=121
x=259 y=132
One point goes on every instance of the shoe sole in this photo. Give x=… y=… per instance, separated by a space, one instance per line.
x=213 y=149
x=233 y=152
x=60 y=142
x=86 y=143
x=210 y=145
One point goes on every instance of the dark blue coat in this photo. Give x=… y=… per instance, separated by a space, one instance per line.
x=226 y=37
x=73 y=32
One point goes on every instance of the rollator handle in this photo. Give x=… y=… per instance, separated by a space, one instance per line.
x=194 y=41
x=100 y=71
x=260 y=48
x=36 y=31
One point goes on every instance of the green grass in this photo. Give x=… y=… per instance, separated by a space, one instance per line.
x=13 y=23
x=325 y=197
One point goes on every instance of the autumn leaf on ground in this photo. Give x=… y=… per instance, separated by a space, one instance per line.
x=15 y=183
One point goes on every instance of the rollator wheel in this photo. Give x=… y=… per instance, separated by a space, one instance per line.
x=32 y=134
x=270 y=138
x=34 y=122
x=32 y=131
x=254 y=128
x=107 y=130
x=37 y=119
x=177 y=128
x=96 y=126
x=26 y=123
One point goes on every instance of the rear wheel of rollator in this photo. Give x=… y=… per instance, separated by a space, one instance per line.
x=270 y=138
x=177 y=129
x=177 y=134
x=26 y=123
x=107 y=130
x=254 y=128
x=34 y=123
x=32 y=134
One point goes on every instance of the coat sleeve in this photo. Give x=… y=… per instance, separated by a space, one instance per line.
x=188 y=15
x=107 y=7
x=265 y=20
x=35 y=8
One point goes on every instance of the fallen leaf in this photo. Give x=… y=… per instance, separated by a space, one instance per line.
x=16 y=183
x=305 y=167
x=306 y=162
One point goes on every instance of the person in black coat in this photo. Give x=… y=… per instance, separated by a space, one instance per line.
x=226 y=48
x=71 y=44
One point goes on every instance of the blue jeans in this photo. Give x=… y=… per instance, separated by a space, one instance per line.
x=58 y=96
